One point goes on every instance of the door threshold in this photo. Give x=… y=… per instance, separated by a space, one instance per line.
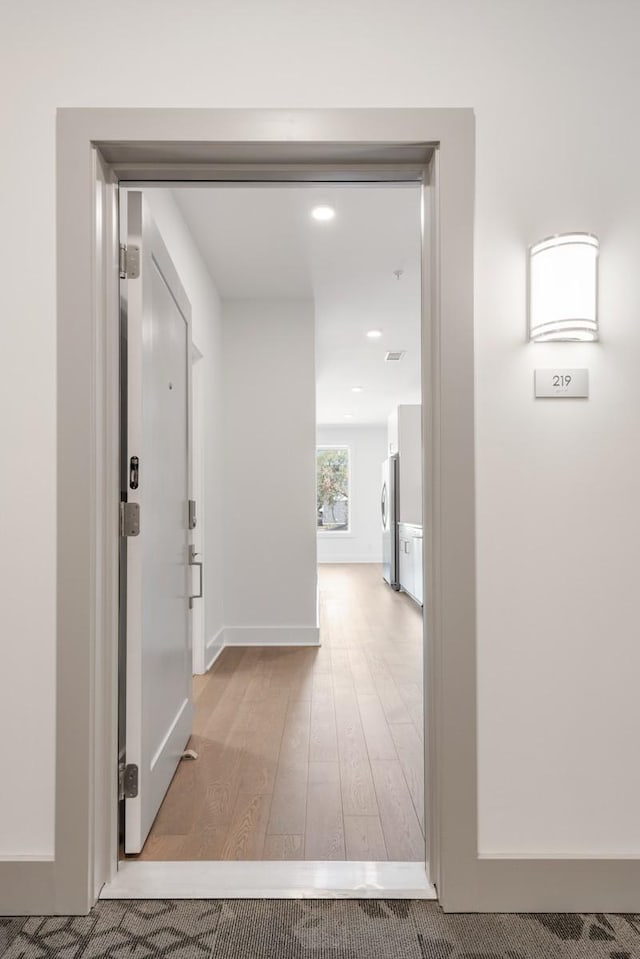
x=269 y=880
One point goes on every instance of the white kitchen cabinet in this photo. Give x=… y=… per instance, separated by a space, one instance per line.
x=410 y=566
x=417 y=557
x=406 y=559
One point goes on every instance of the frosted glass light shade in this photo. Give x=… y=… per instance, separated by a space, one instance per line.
x=563 y=288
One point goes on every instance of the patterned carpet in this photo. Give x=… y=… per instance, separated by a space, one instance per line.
x=313 y=929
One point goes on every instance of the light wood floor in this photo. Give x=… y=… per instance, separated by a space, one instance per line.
x=309 y=753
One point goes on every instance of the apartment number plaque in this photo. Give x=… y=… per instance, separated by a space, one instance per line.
x=561 y=384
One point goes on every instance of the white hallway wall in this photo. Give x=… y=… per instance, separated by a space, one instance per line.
x=363 y=543
x=267 y=513
x=555 y=90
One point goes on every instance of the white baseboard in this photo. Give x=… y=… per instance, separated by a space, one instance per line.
x=259 y=636
x=26 y=857
x=272 y=636
x=214 y=647
x=338 y=560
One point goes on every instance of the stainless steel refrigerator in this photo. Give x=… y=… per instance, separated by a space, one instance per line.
x=389 y=515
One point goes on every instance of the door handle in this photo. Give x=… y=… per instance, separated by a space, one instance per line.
x=194 y=562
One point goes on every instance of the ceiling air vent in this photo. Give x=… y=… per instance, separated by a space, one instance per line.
x=394 y=355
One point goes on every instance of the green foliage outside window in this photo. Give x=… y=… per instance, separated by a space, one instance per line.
x=332 y=488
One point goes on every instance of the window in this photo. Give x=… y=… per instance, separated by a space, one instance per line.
x=333 y=480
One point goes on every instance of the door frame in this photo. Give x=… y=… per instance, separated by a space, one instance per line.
x=96 y=148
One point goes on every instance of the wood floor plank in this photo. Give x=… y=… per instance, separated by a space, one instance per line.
x=217 y=771
x=324 y=832
x=205 y=842
x=392 y=702
x=341 y=669
x=364 y=839
x=302 y=680
x=402 y=834
x=411 y=694
x=323 y=746
x=410 y=750
x=417 y=718
x=380 y=745
x=262 y=748
x=285 y=673
x=226 y=687
x=289 y=803
x=296 y=734
x=358 y=792
x=322 y=661
x=248 y=827
x=284 y=847
x=259 y=685
x=361 y=672
x=199 y=685
x=222 y=786
x=404 y=673
x=159 y=847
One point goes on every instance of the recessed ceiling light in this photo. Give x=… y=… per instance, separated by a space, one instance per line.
x=356 y=389
x=374 y=334
x=348 y=416
x=323 y=213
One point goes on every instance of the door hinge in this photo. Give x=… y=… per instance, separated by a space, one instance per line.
x=129 y=262
x=129 y=519
x=127 y=781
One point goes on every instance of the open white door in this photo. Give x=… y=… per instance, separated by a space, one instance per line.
x=159 y=711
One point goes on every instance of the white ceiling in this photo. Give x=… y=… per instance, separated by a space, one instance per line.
x=260 y=241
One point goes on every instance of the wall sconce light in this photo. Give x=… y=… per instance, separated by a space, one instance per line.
x=563 y=288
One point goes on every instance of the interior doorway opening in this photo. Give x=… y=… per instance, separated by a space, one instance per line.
x=368 y=404
x=308 y=720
